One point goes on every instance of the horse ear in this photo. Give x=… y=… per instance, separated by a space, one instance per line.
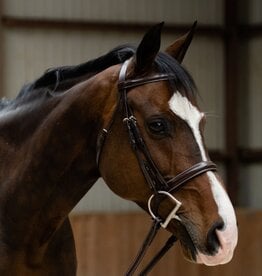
x=179 y=48
x=148 y=49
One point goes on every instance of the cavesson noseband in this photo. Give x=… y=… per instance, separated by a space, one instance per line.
x=161 y=188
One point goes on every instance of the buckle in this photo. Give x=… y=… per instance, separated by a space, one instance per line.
x=172 y=214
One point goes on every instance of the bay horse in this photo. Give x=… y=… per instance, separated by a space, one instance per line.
x=129 y=117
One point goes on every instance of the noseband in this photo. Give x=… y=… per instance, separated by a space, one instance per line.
x=160 y=187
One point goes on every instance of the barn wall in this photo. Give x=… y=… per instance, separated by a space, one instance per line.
x=250 y=112
x=254 y=139
x=107 y=242
x=120 y=11
x=250 y=115
x=106 y=245
x=250 y=11
x=28 y=53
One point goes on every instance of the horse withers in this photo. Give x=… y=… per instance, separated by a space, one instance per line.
x=129 y=117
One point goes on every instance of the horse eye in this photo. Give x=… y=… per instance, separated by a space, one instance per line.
x=158 y=126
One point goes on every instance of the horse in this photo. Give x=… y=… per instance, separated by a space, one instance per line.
x=130 y=117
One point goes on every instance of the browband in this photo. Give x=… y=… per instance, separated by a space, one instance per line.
x=127 y=84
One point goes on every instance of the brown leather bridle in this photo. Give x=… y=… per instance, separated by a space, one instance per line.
x=160 y=187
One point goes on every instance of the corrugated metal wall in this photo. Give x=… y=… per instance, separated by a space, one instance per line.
x=251 y=102
x=119 y=11
x=250 y=11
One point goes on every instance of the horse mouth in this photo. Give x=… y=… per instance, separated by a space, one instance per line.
x=187 y=242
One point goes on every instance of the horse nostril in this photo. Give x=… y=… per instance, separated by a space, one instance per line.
x=212 y=240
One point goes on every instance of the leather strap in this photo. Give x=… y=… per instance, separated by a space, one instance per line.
x=168 y=245
x=179 y=180
x=141 y=81
x=147 y=242
x=124 y=84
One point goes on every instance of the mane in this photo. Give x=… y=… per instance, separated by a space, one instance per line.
x=48 y=83
x=62 y=78
x=182 y=80
x=115 y=56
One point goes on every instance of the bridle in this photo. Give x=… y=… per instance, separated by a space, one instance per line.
x=160 y=187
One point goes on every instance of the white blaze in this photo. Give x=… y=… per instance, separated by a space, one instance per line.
x=183 y=108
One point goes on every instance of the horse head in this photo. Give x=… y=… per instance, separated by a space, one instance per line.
x=159 y=95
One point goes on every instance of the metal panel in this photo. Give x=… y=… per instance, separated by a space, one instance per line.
x=101 y=199
x=116 y=10
x=251 y=11
x=251 y=128
x=251 y=186
x=205 y=61
x=28 y=53
x=251 y=97
x=254 y=127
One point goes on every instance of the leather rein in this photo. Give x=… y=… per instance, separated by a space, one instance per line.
x=160 y=187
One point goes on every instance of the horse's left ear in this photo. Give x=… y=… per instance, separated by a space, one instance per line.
x=148 y=49
x=179 y=48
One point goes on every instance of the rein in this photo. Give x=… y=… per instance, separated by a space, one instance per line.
x=159 y=186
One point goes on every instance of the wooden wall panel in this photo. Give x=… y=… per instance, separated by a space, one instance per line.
x=106 y=244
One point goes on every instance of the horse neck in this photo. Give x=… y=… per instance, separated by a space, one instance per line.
x=55 y=166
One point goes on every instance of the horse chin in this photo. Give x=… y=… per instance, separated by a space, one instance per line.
x=196 y=257
x=213 y=260
x=188 y=247
x=189 y=253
